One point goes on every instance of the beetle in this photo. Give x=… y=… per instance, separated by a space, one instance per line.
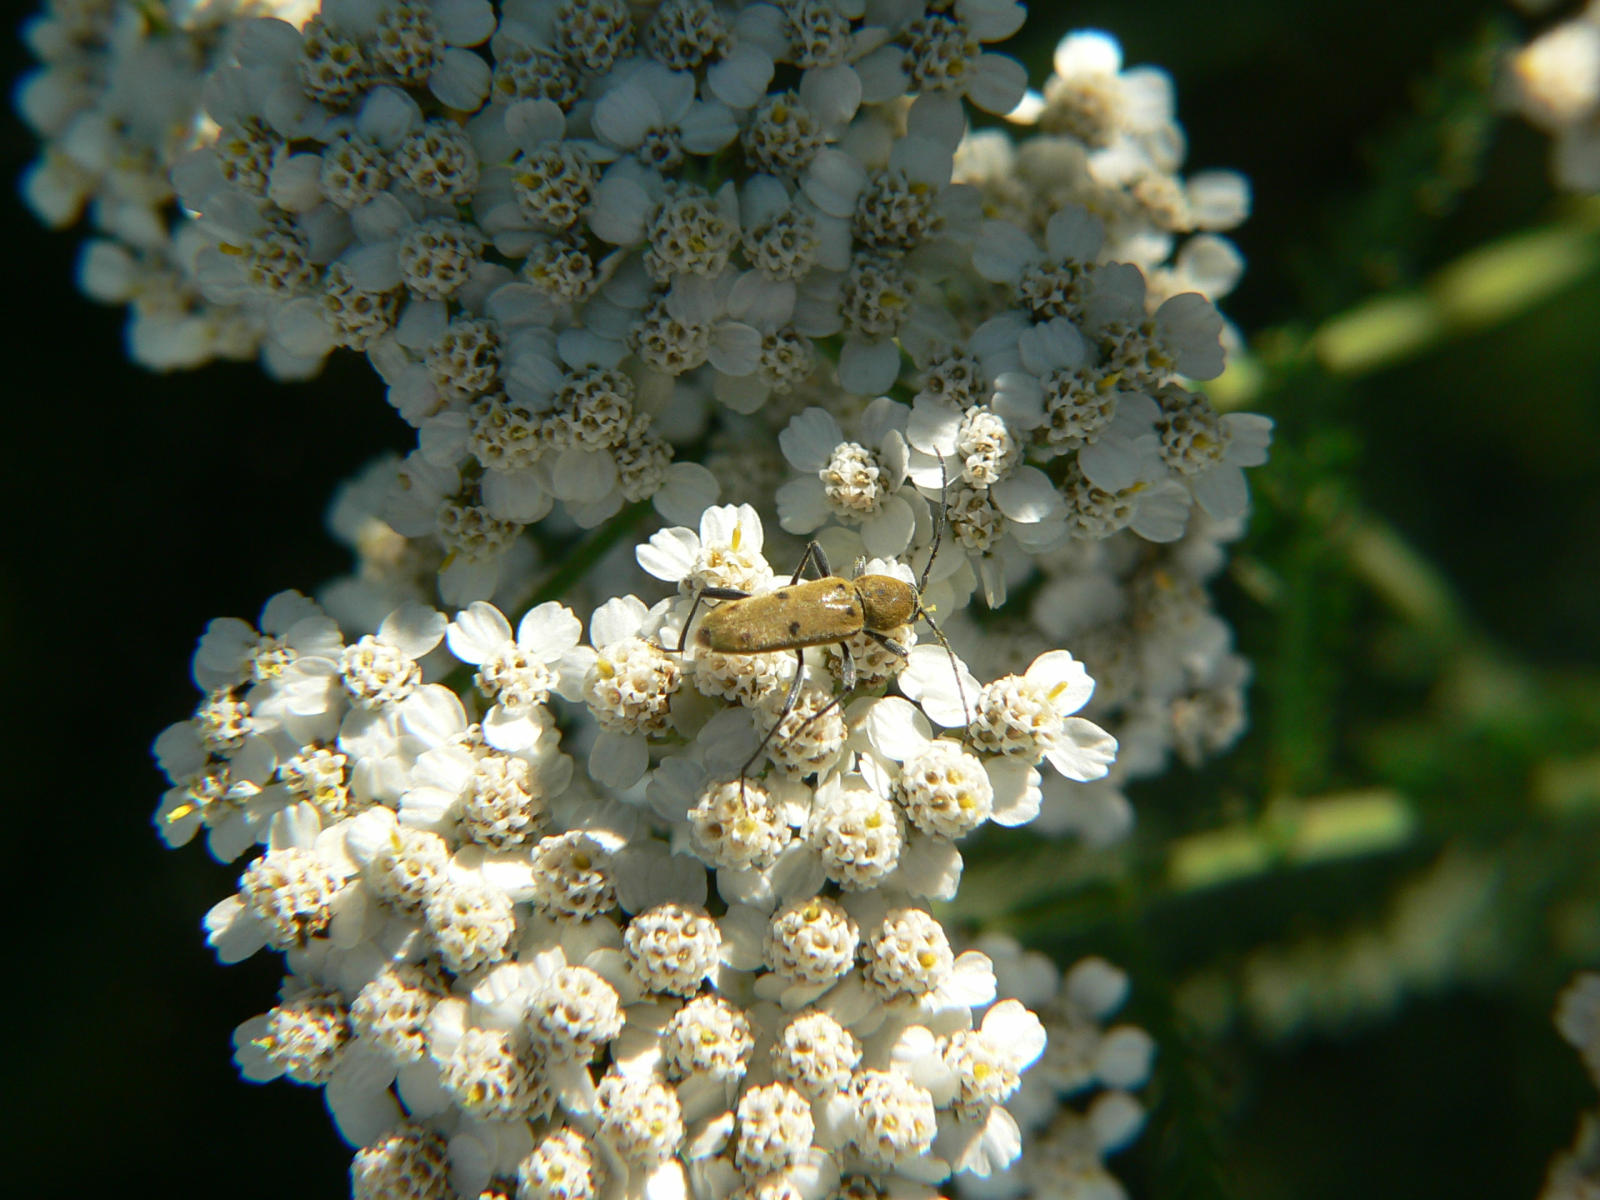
x=817 y=612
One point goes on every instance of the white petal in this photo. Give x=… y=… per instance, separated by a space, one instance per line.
x=515 y=495
x=888 y=532
x=1056 y=343
x=1017 y=792
x=934 y=424
x=1075 y=234
x=295 y=183
x=688 y=489
x=1087 y=52
x=361 y=1109
x=802 y=504
x=1124 y=1056
x=422 y=1089
x=583 y=476
x=998 y=84
x=232 y=931
x=833 y=181
x=896 y=728
x=442 y=439
x=477 y=632
x=1192 y=327
x=735 y=348
x=938 y=115
x=1211 y=265
x=882 y=76
x=740 y=80
x=809 y=440
x=832 y=94
x=433 y=714
x=619 y=210
x=463 y=22
x=928 y=866
x=1027 y=496
x=1111 y=463
x=387 y=116
x=1221 y=491
x=618 y=760
x=512 y=732
x=1249 y=435
x=625 y=114
x=548 y=631
x=929 y=680
x=423 y=323
x=530 y=122
x=1063 y=677
x=1163 y=512
x=868 y=368
x=413 y=629
x=618 y=618
x=1082 y=750
x=461 y=80
x=1115 y=1118
x=708 y=127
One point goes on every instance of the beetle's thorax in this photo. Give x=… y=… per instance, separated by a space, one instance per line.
x=886 y=602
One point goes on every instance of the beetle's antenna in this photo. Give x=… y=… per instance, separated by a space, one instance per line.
x=938 y=525
x=922 y=611
x=955 y=663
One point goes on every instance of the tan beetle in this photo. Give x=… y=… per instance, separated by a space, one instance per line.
x=817 y=612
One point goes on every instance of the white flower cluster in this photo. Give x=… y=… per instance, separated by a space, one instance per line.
x=646 y=911
x=1575 y=1173
x=680 y=971
x=1554 y=82
x=1167 y=678
x=573 y=237
x=116 y=102
x=1076 y=1106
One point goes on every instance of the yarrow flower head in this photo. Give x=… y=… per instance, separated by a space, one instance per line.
x=612 y=893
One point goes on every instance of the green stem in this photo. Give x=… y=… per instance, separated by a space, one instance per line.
x=575 y=565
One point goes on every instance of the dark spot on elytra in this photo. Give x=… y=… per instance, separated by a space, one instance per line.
x=782 y=593
x=794 y=626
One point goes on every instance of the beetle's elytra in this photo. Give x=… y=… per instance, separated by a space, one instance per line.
x=814 y=613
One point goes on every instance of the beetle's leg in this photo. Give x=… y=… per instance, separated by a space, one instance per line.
x=705 y=593
x=847 y=667
x=888 y=643
x=820 y=713
x=847 y=681
x=788 y=707
x=817 y=558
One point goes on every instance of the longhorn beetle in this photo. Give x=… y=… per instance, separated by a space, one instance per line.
x=817 y=612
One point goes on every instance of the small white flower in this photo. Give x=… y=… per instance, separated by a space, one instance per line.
x=855 y=482
x=629 y=683
x=651 y=112
x=725 y=553
x=1028 y=717
x=517 y=674
x=945 y=790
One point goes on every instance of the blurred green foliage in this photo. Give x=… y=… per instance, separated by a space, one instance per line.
x=1347 y=935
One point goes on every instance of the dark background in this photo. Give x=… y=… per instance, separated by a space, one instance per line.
x=141 y=506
